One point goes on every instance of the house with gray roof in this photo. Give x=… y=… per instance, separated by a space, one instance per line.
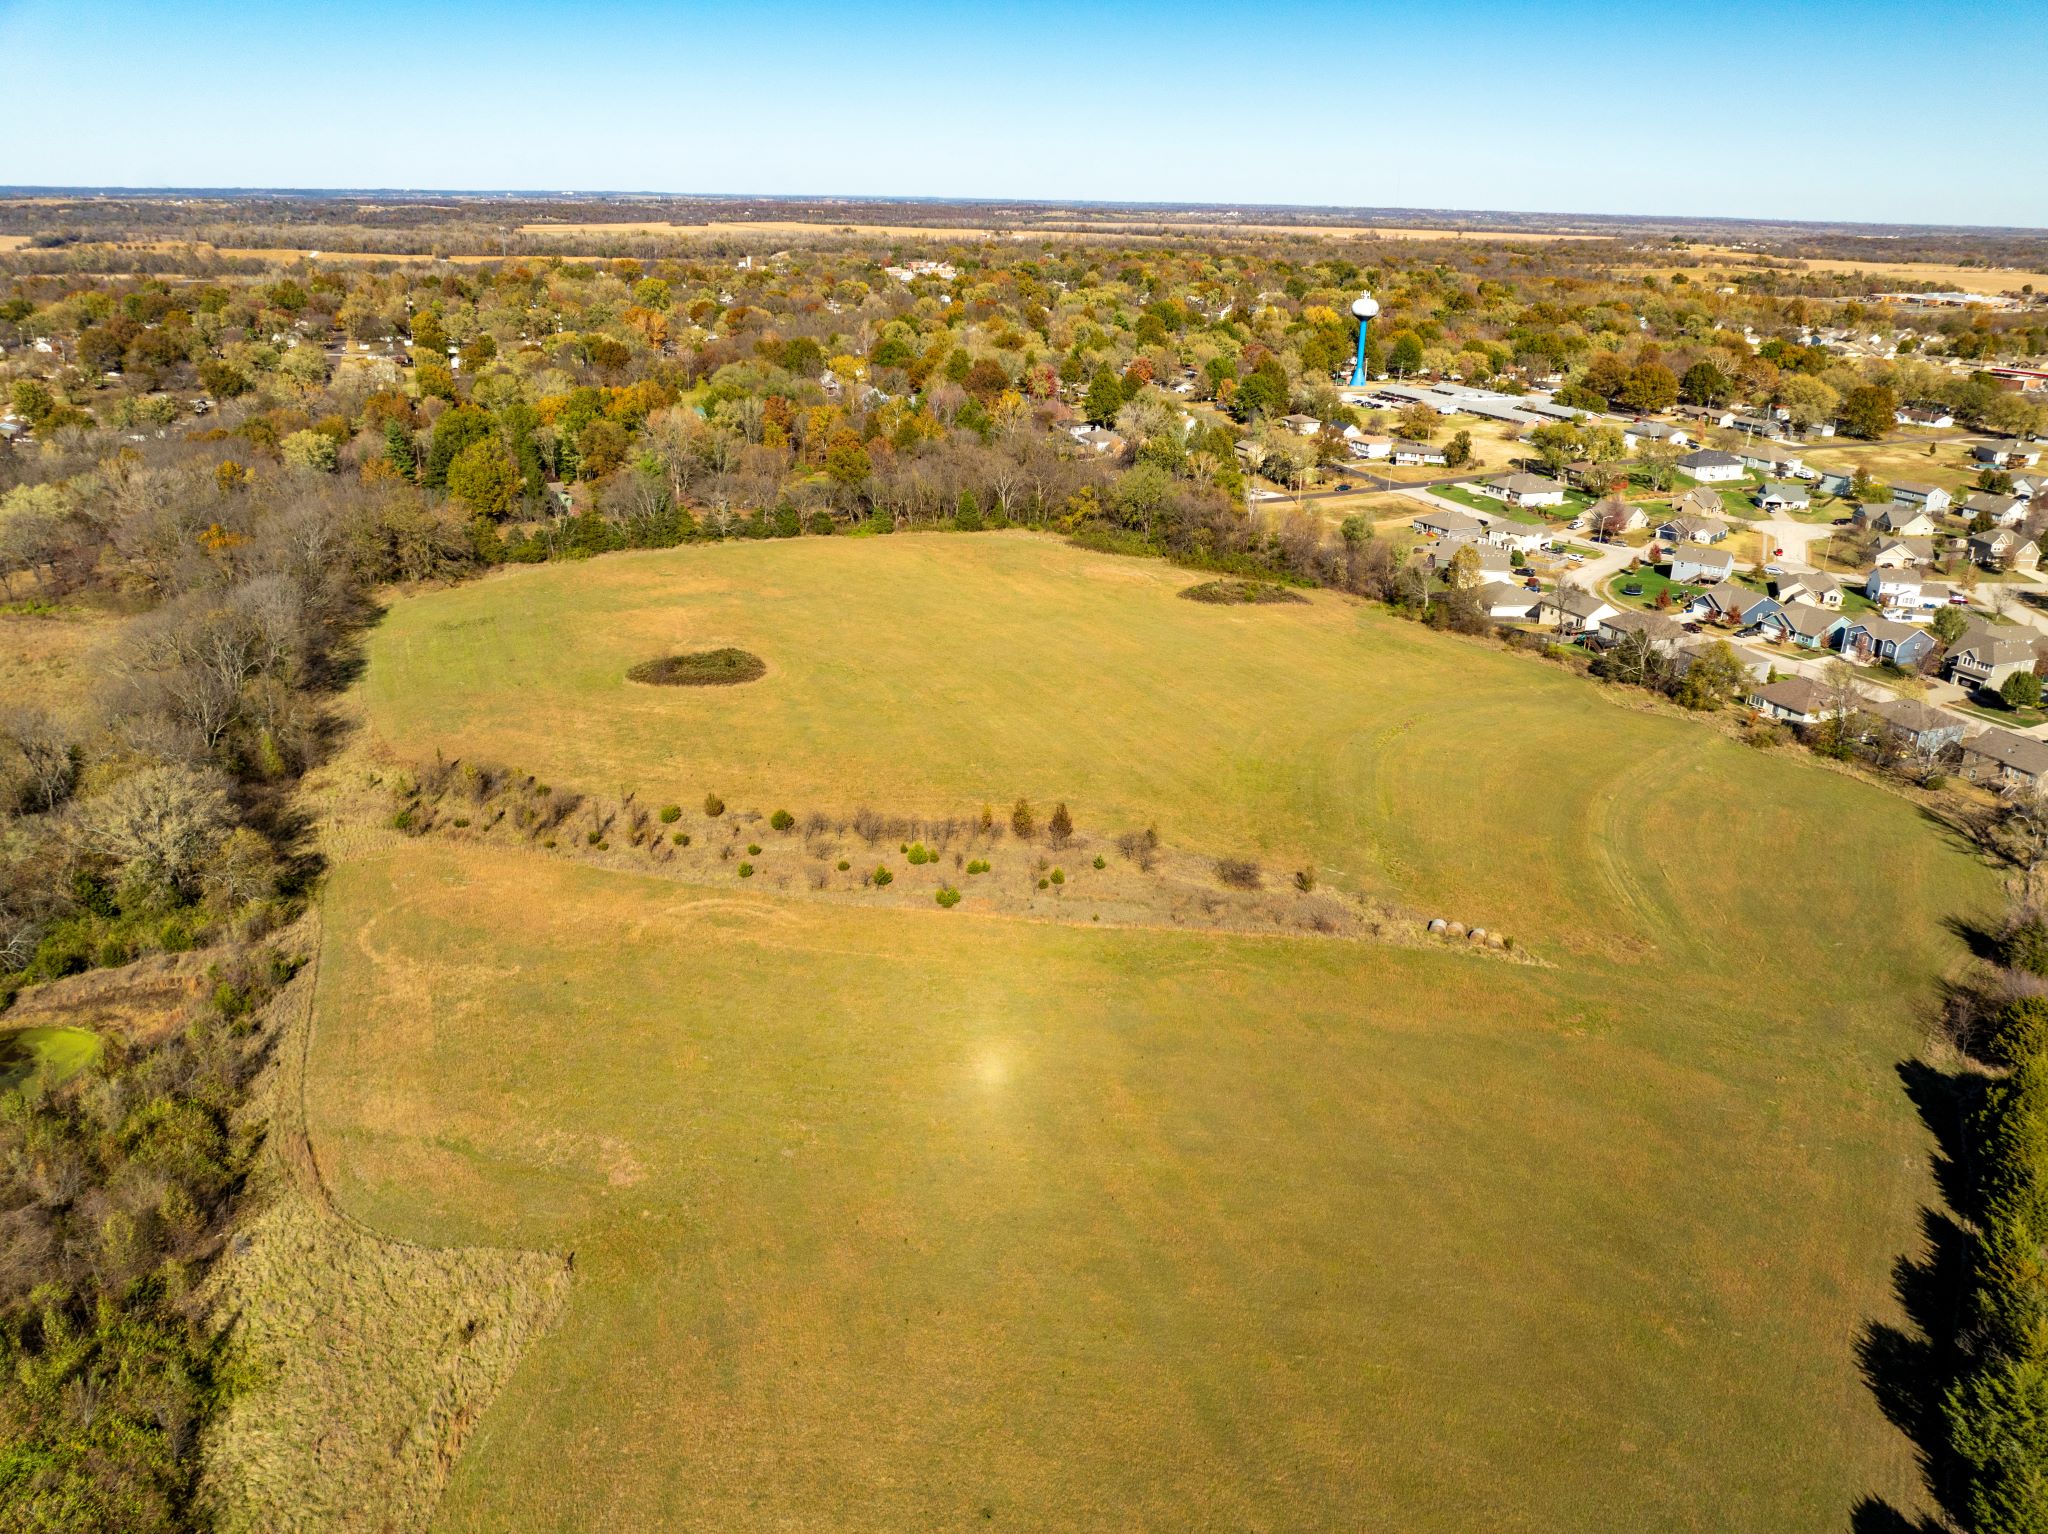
x=2003 y=510
x=1711 y=466
x=1929 y=498
x=1899 y=519
x=1695 y=562
x=1872 y=638
x=1916 y=726
x=1782 y=495
x=1523 y=490
x=1813 y=586
x=1573 y=611
x=1732 y=604
x=1448 y=524
x=2007 y=455
x=1805 y=625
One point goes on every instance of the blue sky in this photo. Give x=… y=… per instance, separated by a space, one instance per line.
x=1796 y=109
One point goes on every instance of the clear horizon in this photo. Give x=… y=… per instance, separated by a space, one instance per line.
x=1487 y=105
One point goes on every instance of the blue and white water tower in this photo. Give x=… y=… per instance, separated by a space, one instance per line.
x=1363 y=308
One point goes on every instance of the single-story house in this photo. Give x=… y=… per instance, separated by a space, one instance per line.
x=1096 y=439
x=1797 y=699
x=1507 y=603
x=1923 y=415
x=1903 y=553
x=1706 y=415
x=1694 y=562
x=1805 y=625
x=1711 y=466
x=1898 y=519
x=1359 y=445
x=1916 y=726
x=1572 y=611
x=1778 y=461
x=2003 y=510
x=1684 y=527
x=1782 y=495
x=1633 y=432
x=1929 y=498
x=1494 y=564
x=1614 y=516
x=1661 y=630
x=2005 y=549
x=2005 y=759
x=1985 y=657
x=1769 y=427
x=1808 y=586
x=1448 y=524
x=1757 y=668
x=1878 y=639
x=1515 y=537
x=2008 y=455
x=1301 y=425
x=1732 y=604
x=1413 y=454
x=2028 y=485
x=1523 y=490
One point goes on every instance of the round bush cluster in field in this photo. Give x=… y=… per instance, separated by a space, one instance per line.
x=701 y=668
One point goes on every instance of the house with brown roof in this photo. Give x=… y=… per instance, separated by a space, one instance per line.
x=1684 y=527
x=2005 y=549
x=1985 y=656
x=2005 y=760
x=1800 y=700
x=1659 y=630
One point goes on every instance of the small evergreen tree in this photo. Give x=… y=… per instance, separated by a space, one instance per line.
x=1023 y=823
x=1061 y=827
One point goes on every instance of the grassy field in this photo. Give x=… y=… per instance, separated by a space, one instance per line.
x=42 y=654
x=54 y=1054
x=909 y=1219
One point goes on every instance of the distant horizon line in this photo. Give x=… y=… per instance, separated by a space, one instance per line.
x=874 y=199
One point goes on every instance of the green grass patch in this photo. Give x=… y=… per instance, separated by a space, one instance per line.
x=705 y=668
x=1236 y=593
x=54 y=1055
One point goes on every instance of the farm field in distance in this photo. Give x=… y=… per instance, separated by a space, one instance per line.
x=917 y=1218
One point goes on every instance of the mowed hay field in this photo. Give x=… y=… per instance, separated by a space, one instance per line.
x=891 y=1219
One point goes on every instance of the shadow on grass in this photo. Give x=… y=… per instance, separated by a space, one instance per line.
x=1909 y=1367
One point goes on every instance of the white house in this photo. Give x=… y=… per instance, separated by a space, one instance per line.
x=1574 y=612
x=1931 y=499
x=1515 y=537
x=1783 y=495
x=1894 y=590
x=1710 y=466
x=1692 y=563
x=1524 y=490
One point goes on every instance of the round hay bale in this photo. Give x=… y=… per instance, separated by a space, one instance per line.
x=1437 y=924
x=1477 y=934
x=1456 y=929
